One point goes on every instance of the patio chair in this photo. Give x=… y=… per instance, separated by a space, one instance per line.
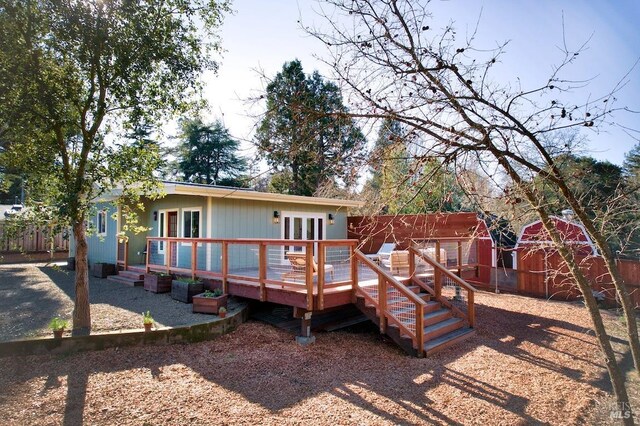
x=382 y=256
x=398 y=259
x=299 y=266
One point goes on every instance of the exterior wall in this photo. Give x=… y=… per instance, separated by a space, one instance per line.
x=254 y=219
x=102 y=248
x=179 y=203
x=230 y=218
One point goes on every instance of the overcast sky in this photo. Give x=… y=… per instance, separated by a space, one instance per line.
x=262 y=35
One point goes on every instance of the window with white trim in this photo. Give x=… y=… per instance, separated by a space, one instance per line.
x=101 y=223
x=191 y=224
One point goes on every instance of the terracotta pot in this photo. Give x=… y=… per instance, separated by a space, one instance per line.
x=57 y=334
x=147 y=327
x=222 y=314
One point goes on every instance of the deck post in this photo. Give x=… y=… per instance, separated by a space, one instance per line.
x=321 y=277
x=168 y=259
x=382 y=302
x=412 y=261
x=309 y=275
x=194 y=259
x=305 y=337
x=354 y=272
x=420 y=329
x=460 y=258
x=146 y=261
x=471 y=308
x=437 y=274
x=225 y=267
x=262 y=260
x=126 y=253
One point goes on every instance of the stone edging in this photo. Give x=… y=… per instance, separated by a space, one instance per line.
x=164 y=336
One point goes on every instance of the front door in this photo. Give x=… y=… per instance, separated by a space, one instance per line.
x=172 y=232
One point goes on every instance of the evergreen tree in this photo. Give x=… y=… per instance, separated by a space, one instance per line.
x=305 y=134
x=208 y=154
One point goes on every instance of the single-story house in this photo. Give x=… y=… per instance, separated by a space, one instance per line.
x=190 y=210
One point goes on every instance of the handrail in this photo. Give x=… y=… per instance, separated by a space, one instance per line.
x=403 y=289
x=385 y=278
x=315 y=296
x=279 y=241
x=442 y=268
x=471 y=313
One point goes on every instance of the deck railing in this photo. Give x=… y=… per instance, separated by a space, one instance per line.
x=283 y=264
x=447 y=288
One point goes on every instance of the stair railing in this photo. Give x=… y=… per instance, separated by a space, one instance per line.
x=413 y=312
x=455 y=286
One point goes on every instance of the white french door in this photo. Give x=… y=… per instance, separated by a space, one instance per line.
x=303 y=226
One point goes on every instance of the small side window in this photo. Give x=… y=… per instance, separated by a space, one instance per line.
x=101 y=222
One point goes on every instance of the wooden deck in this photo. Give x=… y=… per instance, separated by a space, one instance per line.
x=427 y=309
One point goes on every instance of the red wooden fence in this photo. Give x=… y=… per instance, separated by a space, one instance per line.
x=543 y=273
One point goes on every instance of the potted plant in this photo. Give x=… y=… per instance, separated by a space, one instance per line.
x=183 y=289
x=210 y=302
x=103 y=270
x=147 y=320
x=222 y=312
x=58 y=325
x=157 y=282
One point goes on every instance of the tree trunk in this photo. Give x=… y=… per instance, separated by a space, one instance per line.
x=613 y=368
x=616 y=278
x=81 y=310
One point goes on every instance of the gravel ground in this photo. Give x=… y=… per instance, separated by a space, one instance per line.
x=32 y=294
x=532 y=362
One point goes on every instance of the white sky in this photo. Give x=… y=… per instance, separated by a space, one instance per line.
x=265 y=34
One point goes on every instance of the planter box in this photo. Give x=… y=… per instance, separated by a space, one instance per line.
x=208 y=305
x=157 y=283
x=103 y=270
x=184 y=292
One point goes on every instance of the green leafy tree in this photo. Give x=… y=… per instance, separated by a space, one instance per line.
x=305 y=133
x=404 y=183
x=70 y=72
x=208 y=154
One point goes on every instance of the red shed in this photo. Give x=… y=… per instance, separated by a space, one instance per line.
x=534 y=236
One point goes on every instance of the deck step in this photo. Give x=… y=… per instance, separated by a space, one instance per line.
x=126 y=280
x=134 y=275
x=448 y=340
x=443 y=327
x=436 y=316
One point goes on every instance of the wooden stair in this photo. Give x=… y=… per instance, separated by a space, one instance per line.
x=442 y=324
x=130 y=278
x=441 y=328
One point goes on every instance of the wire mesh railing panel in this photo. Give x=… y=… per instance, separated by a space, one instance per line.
x=287 y=263
x=244 y=259
x=455 y=294
x=337 y=264
x=401 y=308
x=367 y=280
x=157 y=252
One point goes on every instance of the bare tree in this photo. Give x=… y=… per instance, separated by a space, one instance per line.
x=397 y=67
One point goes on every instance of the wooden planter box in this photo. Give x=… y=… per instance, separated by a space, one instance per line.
x=184 y=292
x=102 y=270
x=157 y=283
x=208 y=305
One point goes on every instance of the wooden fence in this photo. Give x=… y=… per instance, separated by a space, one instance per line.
x=33 y=240
x=543 y=273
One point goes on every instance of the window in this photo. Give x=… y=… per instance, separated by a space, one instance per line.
x=191 y=223
x=101 y=223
